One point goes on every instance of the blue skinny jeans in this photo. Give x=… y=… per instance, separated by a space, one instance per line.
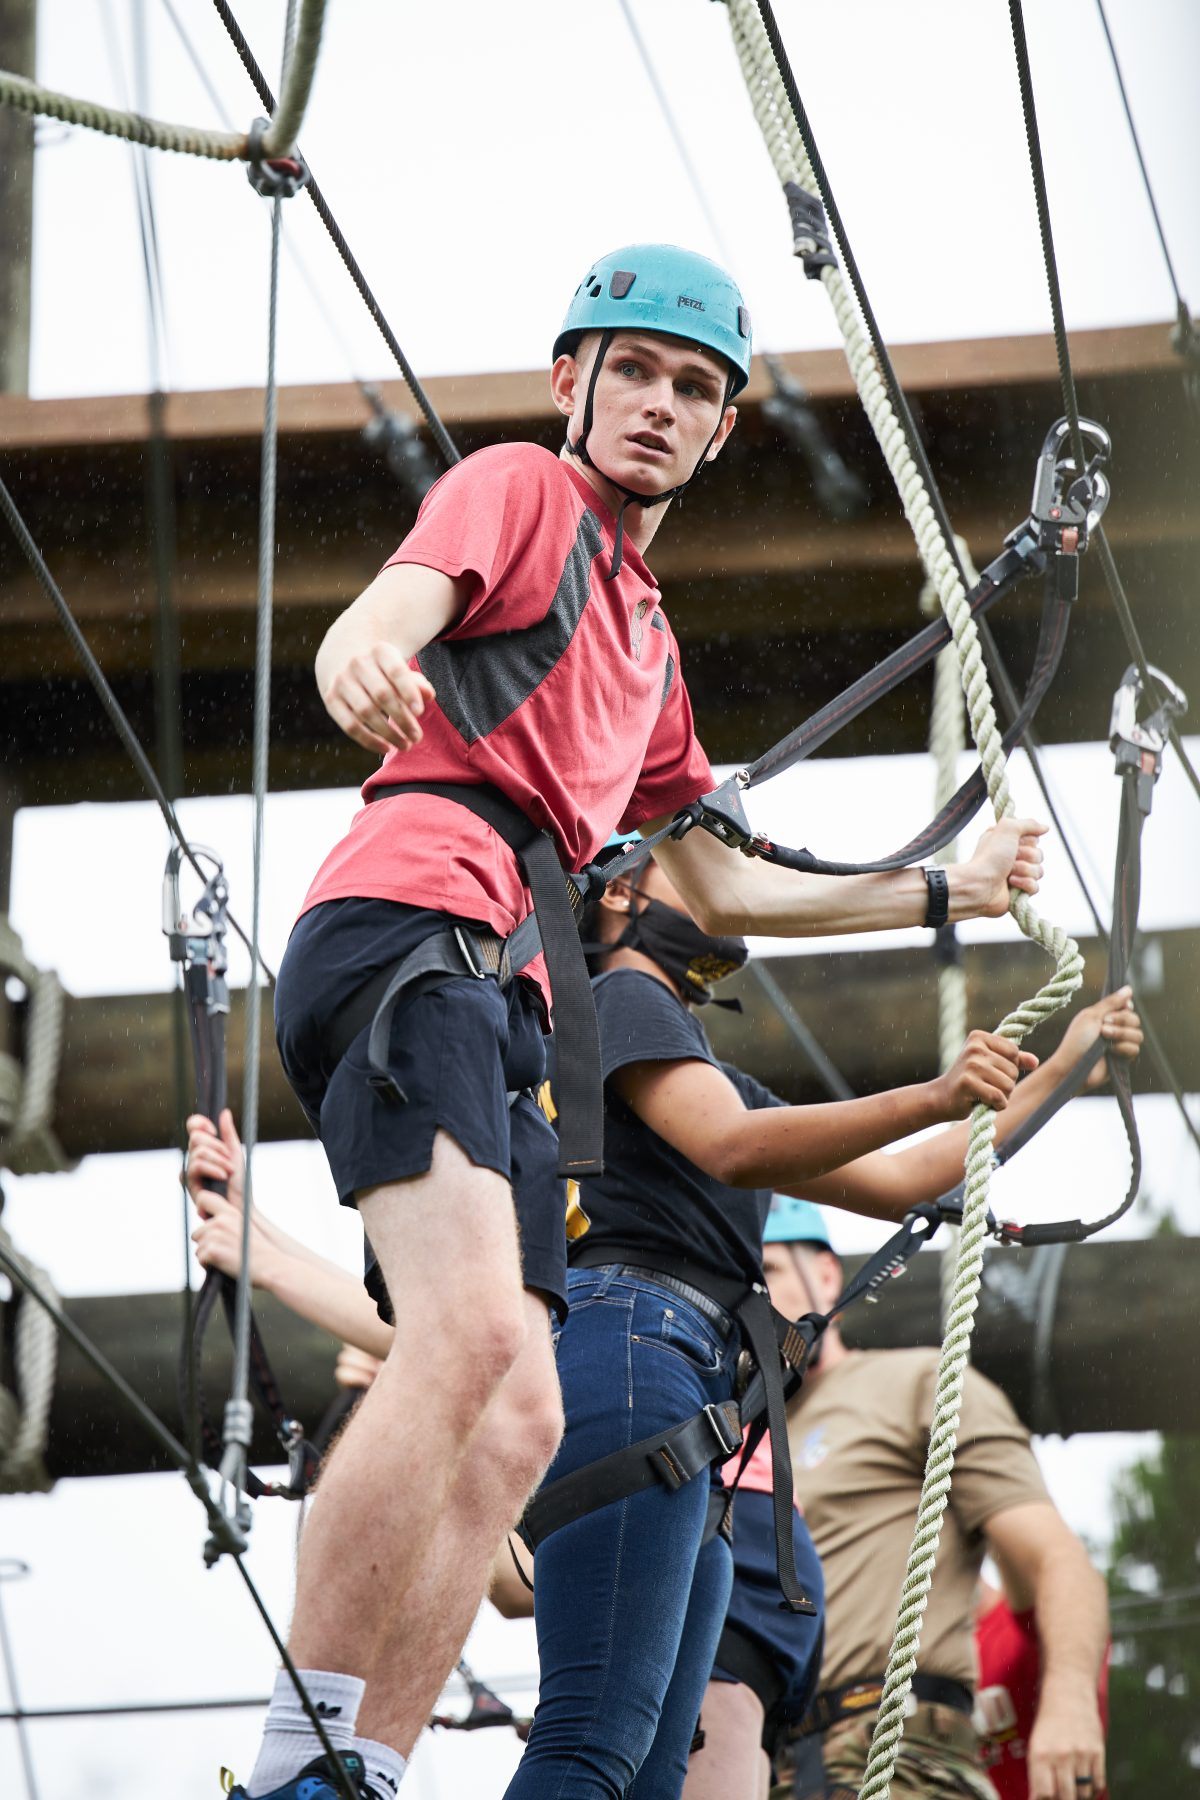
x=629 y=1607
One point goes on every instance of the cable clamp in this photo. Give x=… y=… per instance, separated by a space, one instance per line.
x=811 y=241
x=277 y=177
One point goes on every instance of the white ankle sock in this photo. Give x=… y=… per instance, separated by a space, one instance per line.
x=289 y=1741
x=384 y=1766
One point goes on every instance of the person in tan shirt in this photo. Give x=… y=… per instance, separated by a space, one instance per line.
x=859 y=1435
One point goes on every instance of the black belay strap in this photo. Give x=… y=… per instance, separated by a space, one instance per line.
x=1138 y=752
x=579 y=1098
x=757 y=1319
x=197 y=943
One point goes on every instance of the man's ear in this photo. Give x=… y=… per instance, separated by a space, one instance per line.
x=617 y=897
x=566 y=379
x=723 y=430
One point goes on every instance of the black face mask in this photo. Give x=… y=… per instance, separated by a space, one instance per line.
x=684 y=952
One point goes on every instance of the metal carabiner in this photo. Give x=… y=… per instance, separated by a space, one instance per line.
x=197 y=938
x=1138 y=745
x=1068 y=503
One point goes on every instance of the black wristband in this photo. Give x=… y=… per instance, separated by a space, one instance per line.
x=938 y=909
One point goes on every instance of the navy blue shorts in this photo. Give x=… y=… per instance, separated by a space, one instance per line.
x=457 y=1050
x=791 y=1640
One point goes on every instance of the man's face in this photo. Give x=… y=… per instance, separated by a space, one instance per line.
x=800 y=1278
x=658 y=401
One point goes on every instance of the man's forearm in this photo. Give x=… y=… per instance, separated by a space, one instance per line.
x=329 y=1297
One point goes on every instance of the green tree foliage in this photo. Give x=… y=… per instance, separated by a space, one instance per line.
x=1154 y=1585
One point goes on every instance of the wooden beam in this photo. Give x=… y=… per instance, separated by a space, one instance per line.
x=490 y=400
x=112 y=1095
x=1112 y=1342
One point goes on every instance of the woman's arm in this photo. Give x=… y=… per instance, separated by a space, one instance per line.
x=309 y=1284
x=694 y=1107
x=886 y=1186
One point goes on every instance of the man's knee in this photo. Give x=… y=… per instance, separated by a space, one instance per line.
x=521 y=1432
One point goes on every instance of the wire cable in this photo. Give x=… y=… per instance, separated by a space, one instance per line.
x=1183 y=311
x=104 y=692
x=1066 y=377
x=441 y=436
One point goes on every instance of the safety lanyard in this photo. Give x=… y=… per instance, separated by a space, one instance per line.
x=197 y=943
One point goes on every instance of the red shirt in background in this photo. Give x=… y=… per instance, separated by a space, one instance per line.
x=1006 y=1698
x=555 y=685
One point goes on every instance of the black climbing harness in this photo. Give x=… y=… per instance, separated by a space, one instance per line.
x=779 y=1350
x=197 y=943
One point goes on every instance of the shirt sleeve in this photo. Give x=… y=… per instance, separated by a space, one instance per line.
x=641 y=1021
x=477 y=521
x=994 y=1466
x=675 y=770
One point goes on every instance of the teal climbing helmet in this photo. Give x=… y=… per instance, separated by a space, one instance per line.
x=795 y=1222
x=659 y=287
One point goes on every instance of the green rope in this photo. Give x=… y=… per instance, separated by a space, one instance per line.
x=772 y=109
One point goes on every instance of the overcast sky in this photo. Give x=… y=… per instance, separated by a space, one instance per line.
x=478 y=156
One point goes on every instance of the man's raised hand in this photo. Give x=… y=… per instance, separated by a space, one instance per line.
x=375 y=698
x=1006 y=857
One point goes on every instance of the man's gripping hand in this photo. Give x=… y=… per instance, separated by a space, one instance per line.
x=1065 y=1757
x=1007 y=857
x=984 y=1073
x=1115 y=1020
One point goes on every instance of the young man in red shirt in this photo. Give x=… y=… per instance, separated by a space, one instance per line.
x=515 y=642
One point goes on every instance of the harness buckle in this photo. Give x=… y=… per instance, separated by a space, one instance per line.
x=726 y=1437
x=723 y=814
x=471 y=954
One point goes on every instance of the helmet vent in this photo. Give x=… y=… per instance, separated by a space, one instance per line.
x=622 y=281
x=595 y=290
x=743 y=321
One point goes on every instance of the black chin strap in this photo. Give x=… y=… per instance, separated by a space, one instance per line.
x=631 y=495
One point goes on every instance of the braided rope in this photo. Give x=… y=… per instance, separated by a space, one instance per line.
x=947 y=740
x=24 y=1422
x=28 y=96
x=300 y=66
x=772 y=109
x=28 y=1145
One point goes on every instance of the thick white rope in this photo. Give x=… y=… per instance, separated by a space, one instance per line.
x=947 y=740
x=28 y=96
x=28 y=1145
x=25 y=1420
x=781 y=135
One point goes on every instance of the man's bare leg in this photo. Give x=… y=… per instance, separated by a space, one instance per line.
x=447 y=1246
x=512 y=1447
x=733 y=1761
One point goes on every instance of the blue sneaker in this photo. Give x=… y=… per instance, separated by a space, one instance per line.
x=318 y=1782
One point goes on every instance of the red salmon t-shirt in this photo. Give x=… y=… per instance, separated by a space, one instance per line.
x=555 y=685
x=1006 y=1698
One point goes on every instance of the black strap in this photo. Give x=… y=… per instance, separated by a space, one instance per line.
x=556 y=902
x=757 y=1318
x=668 y=1458
x=855 y=1699
x=746 y=1659
x=207 y=1030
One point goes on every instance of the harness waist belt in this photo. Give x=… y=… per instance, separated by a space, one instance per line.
x=723 y=1320
x=722 y=1291
x=858 y=1697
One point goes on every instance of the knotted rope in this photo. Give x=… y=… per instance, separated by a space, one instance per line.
x=777 y=119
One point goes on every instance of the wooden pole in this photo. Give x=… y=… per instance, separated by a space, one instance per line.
x=18 y=47
x=1099 y=1349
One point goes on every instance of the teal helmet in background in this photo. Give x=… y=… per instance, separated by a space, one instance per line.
x=659 y=287
x=796 y=1222
x=655 y=287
